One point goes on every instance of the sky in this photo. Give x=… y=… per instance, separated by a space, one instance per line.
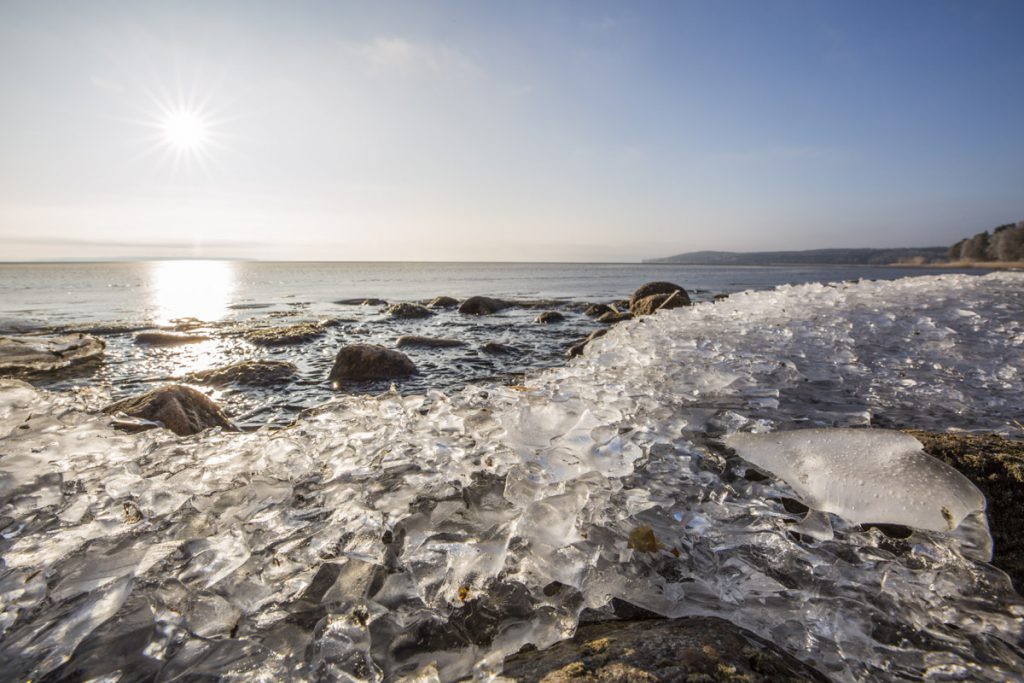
x=534 y=131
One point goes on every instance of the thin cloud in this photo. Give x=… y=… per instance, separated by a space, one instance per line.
x=409 y=58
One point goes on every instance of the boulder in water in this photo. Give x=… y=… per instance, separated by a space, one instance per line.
x=578 y=348
x=482 y=305
x=549 y=317
x=407 y=311
x=284 y=336
x=652 y=288
x=596 y=310
x=497 y=349
x=613 y=316
x=28 y=354
x=361 y=362
x=181 y=409
x=248 y=372
x=443 y=302
x=168 y=339
x=656 y=302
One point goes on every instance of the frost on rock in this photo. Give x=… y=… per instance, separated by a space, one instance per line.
x=865 y=475
x=384 y=537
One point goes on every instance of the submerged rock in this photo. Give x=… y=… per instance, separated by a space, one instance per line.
x=498 y=349
x=247 y=372
x=697 y=649
x=368 y=362
x=362 y=302
x=482 y=305
x=996 y=466
x=407 y=311
x=443 y=302
x=47 y=353
x=427 y=342
x=284 y=336
x=548 y=317
x=168 y=339
x=654 y=288
x=181 y=409
x=596 y=310
x=613 y=316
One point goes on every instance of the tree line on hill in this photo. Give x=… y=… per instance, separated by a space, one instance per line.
x=1005 y=243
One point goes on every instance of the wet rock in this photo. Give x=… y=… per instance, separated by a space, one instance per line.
x=181 y=409
x=497 y=349
x=407 y=311
x=361 y=362
x=362 y=302
x=578 y=348
x=168 y=339
x=597 y=310
x=412 y=340
x=613 y=316
x=548 y=317
x=284 y=336
x=652 y=288
x=109 y=330
x=696 y=649
x=996 y=466
x=30 y=354
x=249 y=373
x=656 y=302
x=443 y=302
x=720 y=297
x=482 y=305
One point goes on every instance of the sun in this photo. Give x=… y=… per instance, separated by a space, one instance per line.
x=185 y=130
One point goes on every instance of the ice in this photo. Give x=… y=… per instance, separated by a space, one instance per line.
x=426 y=537
x=864 y=475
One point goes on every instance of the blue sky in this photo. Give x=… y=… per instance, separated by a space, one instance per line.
x=516 y=131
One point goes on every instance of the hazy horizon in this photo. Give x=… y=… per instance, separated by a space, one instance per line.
x=593 y=132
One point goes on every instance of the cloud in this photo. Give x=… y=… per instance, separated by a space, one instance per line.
x=408 y=58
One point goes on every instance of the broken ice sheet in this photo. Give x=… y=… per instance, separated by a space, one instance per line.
x=864 y=475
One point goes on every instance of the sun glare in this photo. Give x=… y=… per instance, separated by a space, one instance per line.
x=190 y=289
x=185 y=130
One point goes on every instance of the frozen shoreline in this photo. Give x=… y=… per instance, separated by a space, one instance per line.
x=424 y=508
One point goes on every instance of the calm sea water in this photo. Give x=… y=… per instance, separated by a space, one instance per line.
x=224 y=299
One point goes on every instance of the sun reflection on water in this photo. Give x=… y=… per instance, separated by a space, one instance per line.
x=190 y=289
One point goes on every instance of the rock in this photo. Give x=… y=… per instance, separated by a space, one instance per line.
x=578 y=348
x=652 y=288
x=284 y=336
x=596 y=310
x=30 y=354
x=427 y=342
x=697 y=649
x=656 y=302
x=181 y=409
x=996 y=466
x=248 y=372
x=495 y=348
x=720 y=297
x=368 y=362
x=362 y=302
x=482 y=305
x=614 y=316
x=407 y=311
x=168 y=339
x=548 y=317
x=443 y=302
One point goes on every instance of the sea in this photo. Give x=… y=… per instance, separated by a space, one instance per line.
x=223 y=300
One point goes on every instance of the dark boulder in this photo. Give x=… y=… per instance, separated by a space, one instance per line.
x=407 y=311
x=720 y=297
x=614 y=316
x=654 y=650
x=482 y=305
x=284 y=336
x=28 y=354
x=248 y=373
x=652 y=288
x=497 y=349
x=427 y=342
x=168 y=339
x=361 y=362
x=548 y=317
x=578 y=348
x=597 y=310
x=181 y=409
x=443 y=302
x=656 y=302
